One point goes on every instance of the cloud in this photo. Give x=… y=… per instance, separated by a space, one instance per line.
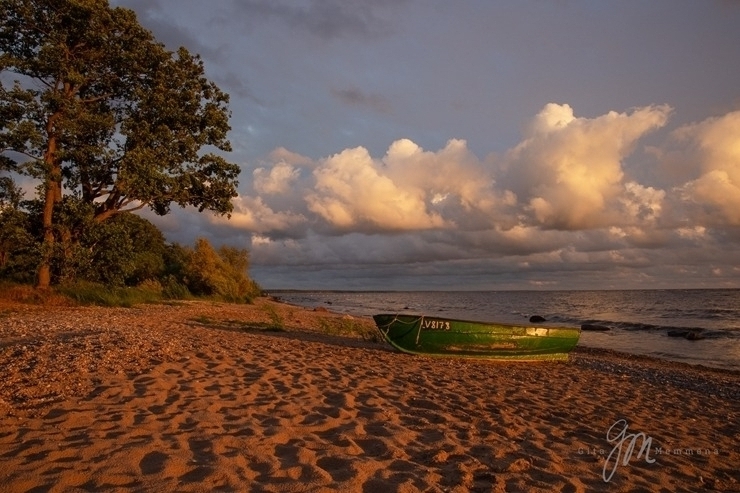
x=451 y=174
x=568 y=171
x=252 y=214
x=326 y=19
x=408 y=189
x=712 y=148
x=155 y=17
x=356 y=97
x=566 y=174
x=352 y=193
x=277 y=180
x=283 y=155
x=558 y=201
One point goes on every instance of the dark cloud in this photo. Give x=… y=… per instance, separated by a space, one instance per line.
x=355 y=97
x=325 y=19
x=155 y=17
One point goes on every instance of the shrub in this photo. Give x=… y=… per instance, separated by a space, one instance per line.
x=89 y=293
x=174 y=290
x=221 y=274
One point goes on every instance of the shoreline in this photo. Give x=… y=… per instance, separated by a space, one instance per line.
x=693 y=341
x=275 y=397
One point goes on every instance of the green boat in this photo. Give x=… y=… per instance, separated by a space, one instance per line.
x=435 y=336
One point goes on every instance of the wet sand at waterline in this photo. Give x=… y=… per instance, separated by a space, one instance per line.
x=204 y=396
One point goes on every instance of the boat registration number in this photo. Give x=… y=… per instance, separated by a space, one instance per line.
x=435 y=325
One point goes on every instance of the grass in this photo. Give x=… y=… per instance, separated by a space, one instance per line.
x=80 y=293
x=236 y=325
x=348 y=327
x=203 y=319
x=90 y=293
x=87 y=293
x=277 y=321
x=329 y=326
x=23 y=293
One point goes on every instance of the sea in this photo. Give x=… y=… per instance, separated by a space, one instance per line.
x=644 y=322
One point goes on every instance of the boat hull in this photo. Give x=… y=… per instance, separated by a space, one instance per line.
x=435 y=336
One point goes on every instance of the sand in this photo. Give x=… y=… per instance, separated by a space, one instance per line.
x=212 y=397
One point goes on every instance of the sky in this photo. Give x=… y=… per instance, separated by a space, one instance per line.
x=473 y=145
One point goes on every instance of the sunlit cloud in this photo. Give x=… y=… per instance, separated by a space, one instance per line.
x=462 y=188
x=277 y=180
x=351 y=192
x=713 y=150
x=560 y=200
x=568 y=172
x=254 y=215
x=283 y=155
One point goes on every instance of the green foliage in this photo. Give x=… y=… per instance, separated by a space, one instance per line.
x=121 y=261
x=175 y=259
x=172 y=289
x=103 y=110
x=277 y=321
x=221 y=274
x=89 y=250
x=10 y=194
x=89 y=293
x=148 y=248
x=24 y=293
x=347 y=326
x=19 y=251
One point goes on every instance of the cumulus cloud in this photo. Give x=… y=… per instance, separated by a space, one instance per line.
x=568 y=173
x=452 y=174
x=560 y=199
x=408 y=189
x=277 y=180
x=283 y=155
x=351 y=193
x=713 y=148
x=254 y=215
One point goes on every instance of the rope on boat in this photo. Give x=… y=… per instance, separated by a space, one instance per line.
x=418 y=332
x=412 y=323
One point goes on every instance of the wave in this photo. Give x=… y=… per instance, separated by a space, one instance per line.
x=669 y=330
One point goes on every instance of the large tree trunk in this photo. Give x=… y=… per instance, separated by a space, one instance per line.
x=52 y=196
x=44 y=274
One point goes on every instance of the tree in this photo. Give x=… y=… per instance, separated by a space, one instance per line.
x=17 y=244
x=147 y=259
x=236 y=263
x=221 y=273
x=102 y=111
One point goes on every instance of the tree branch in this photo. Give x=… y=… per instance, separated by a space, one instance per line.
x=96 y=98
x=24 y=153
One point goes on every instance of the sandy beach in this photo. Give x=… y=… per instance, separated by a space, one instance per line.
x=203 y=396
